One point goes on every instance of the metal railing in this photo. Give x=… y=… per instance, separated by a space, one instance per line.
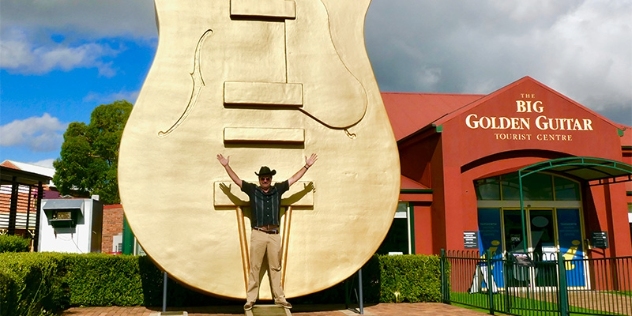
x=516 y=284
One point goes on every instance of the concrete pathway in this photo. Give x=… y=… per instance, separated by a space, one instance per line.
x=384 y=309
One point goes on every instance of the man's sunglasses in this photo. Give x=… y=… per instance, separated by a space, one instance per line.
x=265 y=178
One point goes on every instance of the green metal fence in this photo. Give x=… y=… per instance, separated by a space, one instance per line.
x=518 y=285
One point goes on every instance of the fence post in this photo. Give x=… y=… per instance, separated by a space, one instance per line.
x=490 y=287
x=562 y=290
x=361 y=300
x=445 y=292
x=506 y=265
x=164 y=291
x=347 y=296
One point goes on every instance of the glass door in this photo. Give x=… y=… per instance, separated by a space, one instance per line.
x=512 y=223
x=518 y=275
x=540 y=246
x=542 y=242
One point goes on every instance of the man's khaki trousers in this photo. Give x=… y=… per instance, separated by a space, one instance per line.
x=261 y=244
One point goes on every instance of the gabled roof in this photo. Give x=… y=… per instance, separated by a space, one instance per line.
x=410 y=112
x=22 y=177
x=49 y=172
x=510 y=86
x=43 y=172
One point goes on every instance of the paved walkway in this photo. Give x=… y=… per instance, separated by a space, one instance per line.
x=384 y=309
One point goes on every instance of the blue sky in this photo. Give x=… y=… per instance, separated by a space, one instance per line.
x=59 y=59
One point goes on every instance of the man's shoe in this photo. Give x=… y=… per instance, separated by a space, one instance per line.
x=248 y=306
x=283 y=303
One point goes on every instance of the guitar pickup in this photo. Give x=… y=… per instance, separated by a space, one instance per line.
x=242 y=135
x=263 y=94
x=283 y=9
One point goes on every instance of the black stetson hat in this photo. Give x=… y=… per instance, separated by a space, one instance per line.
x=265 y=171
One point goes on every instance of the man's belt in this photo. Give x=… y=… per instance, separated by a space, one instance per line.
x=268 y=229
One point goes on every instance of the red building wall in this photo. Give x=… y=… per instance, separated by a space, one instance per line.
x=539 y=124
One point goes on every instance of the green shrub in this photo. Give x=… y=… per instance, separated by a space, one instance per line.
x=104 y=280
x=387 y=279
x=41 y=283
x=10 y=243
x=410 y=278
x=349 y=289
x=32 y=284
x=8 y=295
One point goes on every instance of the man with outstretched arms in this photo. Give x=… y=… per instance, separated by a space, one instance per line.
x=265 y=205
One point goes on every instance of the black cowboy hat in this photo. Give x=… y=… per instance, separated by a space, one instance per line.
x=265 y=171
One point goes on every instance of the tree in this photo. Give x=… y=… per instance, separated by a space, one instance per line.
x=89 y=154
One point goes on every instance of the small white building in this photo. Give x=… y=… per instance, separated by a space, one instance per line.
x=71 y=225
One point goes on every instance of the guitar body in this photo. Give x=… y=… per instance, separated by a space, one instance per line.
x=266 y=83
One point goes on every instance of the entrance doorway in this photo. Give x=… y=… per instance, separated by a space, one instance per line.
x=552 y=227
x=540 y=244
x=541 y=230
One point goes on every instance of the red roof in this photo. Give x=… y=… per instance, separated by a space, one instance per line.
x=410 y=112
x=8 y=164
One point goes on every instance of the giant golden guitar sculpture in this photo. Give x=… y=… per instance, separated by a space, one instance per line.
x=265 y=82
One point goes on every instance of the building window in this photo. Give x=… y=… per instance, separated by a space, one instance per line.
x=488 y=189
x=535 y=187
x=566 y=190
x=399 y=237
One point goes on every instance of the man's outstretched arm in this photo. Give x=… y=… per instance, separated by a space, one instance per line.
x=229 y=170
x=299 y=174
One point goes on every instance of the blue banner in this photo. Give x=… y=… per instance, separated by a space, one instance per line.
x=571 y=248
x=490 y=239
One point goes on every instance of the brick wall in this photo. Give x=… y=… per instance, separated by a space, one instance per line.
x=112 y=225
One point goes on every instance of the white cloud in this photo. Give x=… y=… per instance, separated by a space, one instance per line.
x=40 y=36
x=103 y=98
x=595 y=45
x=40 y=134
x=87 y=19
x=46 y=163
x=582 y=49
x=19 y=55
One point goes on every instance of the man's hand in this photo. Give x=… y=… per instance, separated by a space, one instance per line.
x=308 y=163
x=222 y=160
x=229 y=170
x=311 y=160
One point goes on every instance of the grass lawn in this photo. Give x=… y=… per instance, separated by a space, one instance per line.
x=512 y=304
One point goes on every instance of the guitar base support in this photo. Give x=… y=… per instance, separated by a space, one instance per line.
x=268 y=310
